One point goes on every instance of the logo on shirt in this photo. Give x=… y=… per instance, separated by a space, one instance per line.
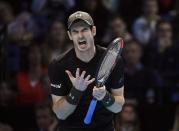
x=72 y=97
x=56 y=86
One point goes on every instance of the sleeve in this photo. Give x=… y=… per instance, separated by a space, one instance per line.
x=117 y=76
x=58 y=84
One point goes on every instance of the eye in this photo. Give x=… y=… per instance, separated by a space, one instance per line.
x=85 y=29
x=74 y=31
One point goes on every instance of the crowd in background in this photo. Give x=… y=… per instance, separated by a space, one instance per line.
x=33 y=32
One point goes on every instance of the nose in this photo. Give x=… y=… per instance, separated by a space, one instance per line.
x=80 y=35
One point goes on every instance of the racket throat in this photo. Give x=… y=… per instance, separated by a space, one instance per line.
x=100 y=83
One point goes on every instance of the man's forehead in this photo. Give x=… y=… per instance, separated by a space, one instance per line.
x=79 y=24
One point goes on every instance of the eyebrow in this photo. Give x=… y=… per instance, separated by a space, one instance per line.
x=84 y=28
x=73 y=30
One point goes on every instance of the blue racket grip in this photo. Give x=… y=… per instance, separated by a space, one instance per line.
x=90 y=112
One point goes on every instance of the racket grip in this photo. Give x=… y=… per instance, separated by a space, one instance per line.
x=90 y=112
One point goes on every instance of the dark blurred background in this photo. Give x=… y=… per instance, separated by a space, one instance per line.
x=33 y=32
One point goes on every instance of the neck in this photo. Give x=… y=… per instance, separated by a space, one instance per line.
x=86 y=56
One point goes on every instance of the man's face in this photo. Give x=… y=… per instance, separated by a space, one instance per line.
x=118 y=26
x=82 y=36
x=165 y=31
x=44 y=118
x=57 y=31
x=151 y=7
x=132 y=54
x=128 y=114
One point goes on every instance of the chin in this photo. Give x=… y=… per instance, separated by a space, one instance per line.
x=83 y=49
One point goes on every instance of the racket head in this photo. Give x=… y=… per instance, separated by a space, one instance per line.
x=109 y=60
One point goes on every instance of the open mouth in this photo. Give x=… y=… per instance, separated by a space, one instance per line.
x=82 y=42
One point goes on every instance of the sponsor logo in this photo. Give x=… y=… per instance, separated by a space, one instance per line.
x=72 y=97
x=56 y=86
x=78 y=15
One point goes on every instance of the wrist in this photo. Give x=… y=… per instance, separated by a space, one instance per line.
x=74 y=96
x=108 y=99
x=79 y=89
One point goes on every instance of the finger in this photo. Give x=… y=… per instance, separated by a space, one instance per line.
x=69 y=74
x=102 y=89
x=77 y=72
x=90 y=81
x=94 y=92
x=97 y=91
x=97 y=96
x=87 y=78
x=100 y=93
x=83 y=74
x=95 y=88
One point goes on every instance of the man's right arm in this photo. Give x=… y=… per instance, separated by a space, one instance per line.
x=61 y=107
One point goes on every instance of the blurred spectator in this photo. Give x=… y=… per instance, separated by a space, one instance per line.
x=12 y=62
x=6 y=17
x=117 y=28
x=30 y=88
x=6 y=13
x=20 y=33
x=163 y=54
x=166 y=6
x=22 y=29
x=38 y=5
x=111 y=5
x=60 y=8
x=58 y=41
x=145 y=26
x=45 y=118
x=5 y=127
x=141 y=83
x=127 y=119
x=7 y=94
x=130 y=10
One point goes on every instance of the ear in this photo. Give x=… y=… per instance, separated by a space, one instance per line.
x=93 y=30
x=69 y=35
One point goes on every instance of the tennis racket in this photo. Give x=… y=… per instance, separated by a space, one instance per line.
x=108 y=62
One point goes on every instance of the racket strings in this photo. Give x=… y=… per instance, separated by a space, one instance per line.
x=108 y=63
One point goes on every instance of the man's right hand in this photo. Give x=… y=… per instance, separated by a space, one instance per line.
x=79 y=82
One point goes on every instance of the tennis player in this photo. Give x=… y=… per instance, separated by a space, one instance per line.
x=73 y=81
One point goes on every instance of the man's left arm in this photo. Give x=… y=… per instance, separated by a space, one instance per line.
x=118 y=100
x=112 y=101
